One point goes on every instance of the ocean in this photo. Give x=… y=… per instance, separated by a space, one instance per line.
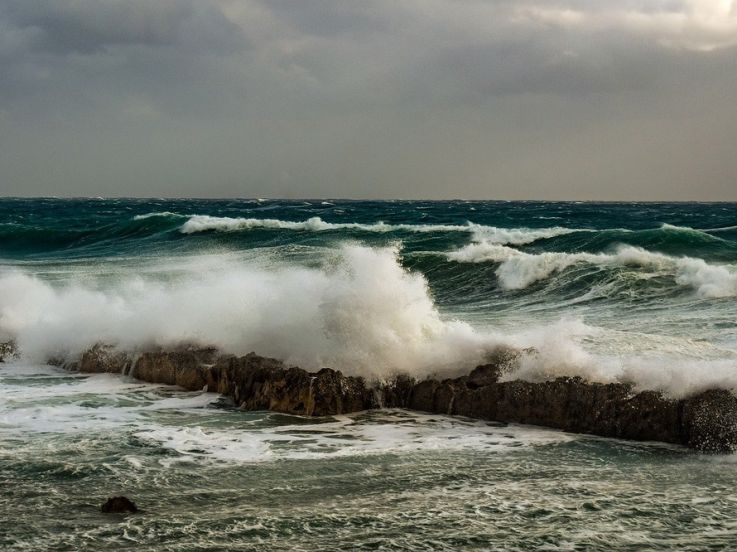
x=613 y=292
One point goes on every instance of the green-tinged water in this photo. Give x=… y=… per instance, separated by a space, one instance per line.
x=207 y=477
x=611 y=292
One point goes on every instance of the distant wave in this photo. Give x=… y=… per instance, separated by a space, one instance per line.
x=158 y=214
x=721 y=229
x=517 y=236
x=705 y=233
x=519 y=269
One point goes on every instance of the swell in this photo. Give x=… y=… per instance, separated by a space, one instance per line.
x=668 y=239
x=93 y=236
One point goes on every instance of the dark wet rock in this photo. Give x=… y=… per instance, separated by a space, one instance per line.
x=105 y=359
x=483 y=375
x=7 y=351
x=395 y=393
x=571 y=404
x=500 y=361
x=187 y=368
x=118 y=505
x=259 y=383
x=707 y=421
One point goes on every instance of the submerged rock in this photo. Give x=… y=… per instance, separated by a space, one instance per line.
x=118 y=505
x=706 y=421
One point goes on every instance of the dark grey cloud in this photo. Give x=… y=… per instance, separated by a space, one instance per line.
x=419 y=98
x=329 y=18
x=89 y=26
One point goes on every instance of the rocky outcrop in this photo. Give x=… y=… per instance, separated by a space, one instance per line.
x=706 y=422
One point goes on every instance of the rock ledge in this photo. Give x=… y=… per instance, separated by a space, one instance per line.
x=706 y=421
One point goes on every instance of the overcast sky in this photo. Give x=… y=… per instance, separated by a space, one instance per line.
x=497 y=99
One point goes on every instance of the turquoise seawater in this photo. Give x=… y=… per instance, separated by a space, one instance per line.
x=613 y=292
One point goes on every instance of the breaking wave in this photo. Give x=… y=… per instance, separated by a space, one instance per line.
x=518 y=269
x=367 y=316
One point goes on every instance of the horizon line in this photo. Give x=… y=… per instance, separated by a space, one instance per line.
x=265 y=199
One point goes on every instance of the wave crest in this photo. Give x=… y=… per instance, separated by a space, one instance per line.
x=518 y=269
x=517 y=236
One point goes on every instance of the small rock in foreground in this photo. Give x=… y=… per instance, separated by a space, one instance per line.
x=118 y=505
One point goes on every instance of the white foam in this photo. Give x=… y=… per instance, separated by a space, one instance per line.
x=518 y=269
x=42 y=399
x=347 y=436
x=721 y=229
x=91 y=407
x=673 y=375
x=675 y=366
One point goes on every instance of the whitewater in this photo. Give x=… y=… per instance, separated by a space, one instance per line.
x=615 y=292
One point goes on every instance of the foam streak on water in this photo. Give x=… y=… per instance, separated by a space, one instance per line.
x=212 y=478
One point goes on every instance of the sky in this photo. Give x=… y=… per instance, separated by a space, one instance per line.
x=476 y=99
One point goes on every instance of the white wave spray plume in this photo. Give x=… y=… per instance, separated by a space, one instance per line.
x=366 y=315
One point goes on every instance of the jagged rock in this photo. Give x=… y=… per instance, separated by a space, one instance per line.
x=707 y=421
x=258 y=383
x=395 y=393
x=104 y=358
x=187 y=368
x=571 y=404
x=118 y=505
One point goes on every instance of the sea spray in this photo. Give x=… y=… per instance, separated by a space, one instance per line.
x=367 y=315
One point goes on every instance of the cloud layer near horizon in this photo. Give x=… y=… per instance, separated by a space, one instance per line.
x=421 y=98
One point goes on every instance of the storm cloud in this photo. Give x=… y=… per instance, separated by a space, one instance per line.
x=497 y=99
